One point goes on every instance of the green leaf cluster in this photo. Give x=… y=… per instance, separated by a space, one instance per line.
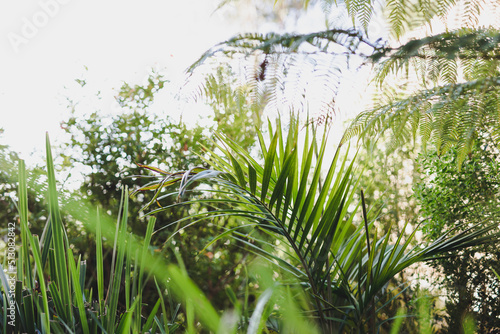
x=343 y=272
x=457 y=200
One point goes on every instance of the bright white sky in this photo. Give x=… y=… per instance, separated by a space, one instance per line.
x=117 y=40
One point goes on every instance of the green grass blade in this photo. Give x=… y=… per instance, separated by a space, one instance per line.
x=126 y=321
x=29 y=314
x=26 y=271
x=128 y=264
x=61 y=274
x=163 y=307
x=99 y=263
x=78 y=292
x=35 y=248
x=398 y=321
x=120 y=248
x=149 y=322
x=4 y=296
x=255 y=322
x=186 y=289
x=163 y=328
x=496 y=274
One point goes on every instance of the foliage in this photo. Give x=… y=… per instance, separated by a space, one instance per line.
x=278 y=206
x=438 y=57
x=141 y=96
x=6 y=164
x=7 y=186
x=403 y=16
x=110 y=149
x=8 y=212
x=51 y=296
x=236 y=111
x=471 y=195
x=341 y=269
x=348 y=39
x=387 y=180
x=291 y=71
x=50 y=291
x=457 y=200
x=458 y=71
x=452 y=113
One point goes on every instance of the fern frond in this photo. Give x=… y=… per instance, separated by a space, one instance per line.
x=321 y=42
x=440 y=52
x=290 y=71
x=450 y=115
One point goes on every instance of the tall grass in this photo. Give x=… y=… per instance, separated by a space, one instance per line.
x=50 y=294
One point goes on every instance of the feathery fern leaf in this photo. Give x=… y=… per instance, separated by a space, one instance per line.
x=449 y=114
x=285 y=70
x=440 y=51
x=454 y=111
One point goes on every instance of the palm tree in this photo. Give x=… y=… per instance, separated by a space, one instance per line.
x=342 y=269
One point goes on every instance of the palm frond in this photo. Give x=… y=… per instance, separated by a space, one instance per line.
x=294 y=196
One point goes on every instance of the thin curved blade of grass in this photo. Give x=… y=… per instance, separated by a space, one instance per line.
x=255 y=322
x=119 y=249
x=35 y=247
x=149 y=321
x=165 y=182
x=189 y=179
x=126 y=322
x=496 y=274
x=74 y=272
x=99 y=263
x=257 y=250
x=225 y=234
x=59 y=243
x=154 y=169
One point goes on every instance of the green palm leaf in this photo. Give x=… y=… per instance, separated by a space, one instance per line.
x=320 y=244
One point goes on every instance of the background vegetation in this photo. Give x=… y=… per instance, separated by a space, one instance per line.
x=254 y=224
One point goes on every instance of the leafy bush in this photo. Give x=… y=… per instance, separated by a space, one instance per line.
x=456 y=200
